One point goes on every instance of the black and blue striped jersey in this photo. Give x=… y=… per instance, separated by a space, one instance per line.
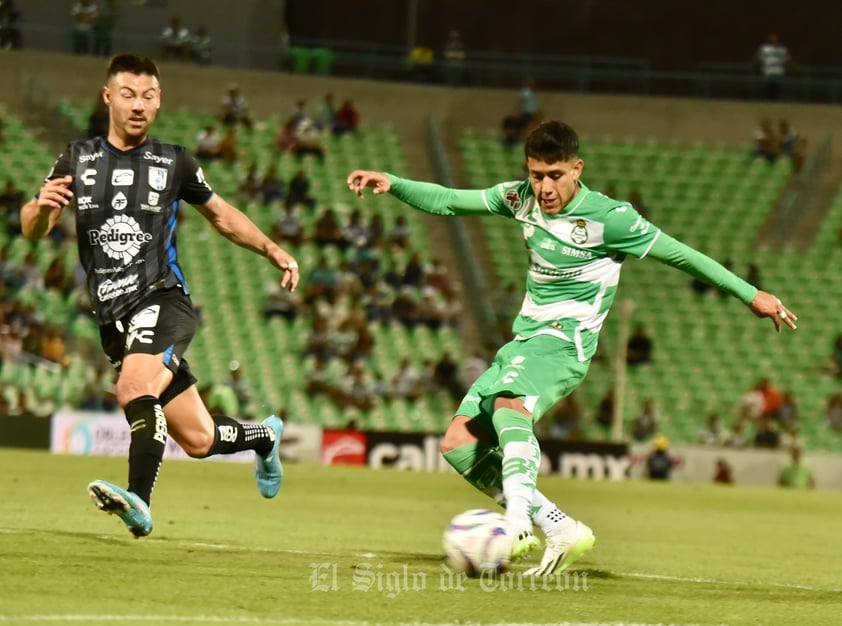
x=126 y=207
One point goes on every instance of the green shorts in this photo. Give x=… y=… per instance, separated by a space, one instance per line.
x=541 y=370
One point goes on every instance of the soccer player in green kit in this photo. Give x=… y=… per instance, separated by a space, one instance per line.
x=577 y=240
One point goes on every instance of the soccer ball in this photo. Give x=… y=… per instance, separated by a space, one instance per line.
x=478 y=541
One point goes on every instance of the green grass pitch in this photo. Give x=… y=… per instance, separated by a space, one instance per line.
x=356 y=547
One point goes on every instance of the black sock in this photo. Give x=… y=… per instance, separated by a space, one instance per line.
x=232 y=436
x=148 y=441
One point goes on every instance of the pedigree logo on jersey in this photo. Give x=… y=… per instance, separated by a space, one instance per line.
x=120 y=237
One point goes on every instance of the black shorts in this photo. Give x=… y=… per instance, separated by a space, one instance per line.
x=163 y=323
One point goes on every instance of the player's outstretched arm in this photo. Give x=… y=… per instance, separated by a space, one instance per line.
x=358 y=180
x=38 y=216
x=767 y=305
x=235 y=226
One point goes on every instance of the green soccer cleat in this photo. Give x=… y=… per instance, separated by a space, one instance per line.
x=524 y=543
x=268 y=471
x=128 y=506
x=564 y=547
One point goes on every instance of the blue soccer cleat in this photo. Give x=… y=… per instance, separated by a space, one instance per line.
x=268 y=471
x=128 y=506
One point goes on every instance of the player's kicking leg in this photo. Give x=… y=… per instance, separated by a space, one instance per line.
x=466 y=446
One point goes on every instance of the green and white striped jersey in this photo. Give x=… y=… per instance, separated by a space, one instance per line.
x=574 y=259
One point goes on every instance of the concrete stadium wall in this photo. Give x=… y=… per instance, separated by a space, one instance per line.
x=45 y=77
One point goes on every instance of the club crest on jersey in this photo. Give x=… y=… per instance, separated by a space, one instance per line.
x=153 y=199
x=158 y=178
x=579 y=234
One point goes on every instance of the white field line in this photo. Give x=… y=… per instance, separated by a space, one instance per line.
x=212 y=619
x=374 y=555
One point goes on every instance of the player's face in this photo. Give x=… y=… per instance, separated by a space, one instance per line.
x=554 y=184
x=133 y=101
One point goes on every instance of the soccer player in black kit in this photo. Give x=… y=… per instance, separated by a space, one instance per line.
x=126 y=189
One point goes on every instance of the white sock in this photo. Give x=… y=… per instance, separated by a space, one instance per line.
x=520 y=465
x=545 y=514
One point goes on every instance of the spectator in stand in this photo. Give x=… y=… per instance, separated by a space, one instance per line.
x=250 y=185
x=285 y=140
x=240 y=388
x=766 y=142
x=10 y=33
x=788 y=411
x=229 y=147
x=799 y=155
x=376 y=301
x=298 y=190
x=659 y=462
x=11 y=201
x=321 y=282
x=288 y=226
x=774 y=60
x=33 y=276
x=84 y=14
x=413 y=272
x=352 y=340
x=515 y=125
x=355 y=230
x=405 y=382
x=347 y=119
x=405 y=307
x=712 y=434
x=327 y=229
x=796 y=475
x=639 y=347
x=398 y=235
x=300 y=114
x=645 y=422
x=563 y=420
x=767 y=434
x=235 y=108
x=420 y=64
x=208 y=143
x=376 y=230
x=446 y=375
x=454 y=56
x=605 y=409
x=327 y=114
x=318 y=380
x=722 y=474
x=272 y=187
x=107 y=16
x=308 y=141
x=53 y=347
x=57 y=277
x=833 y=411
x=431 y=312
x=201 y=47
x=356 y=389
x=787 y=137
x=281 y=302
x=175 y=40
x=736 y=437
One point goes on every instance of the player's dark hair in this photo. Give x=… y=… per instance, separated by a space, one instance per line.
x=132 y=63
x=551 y=142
